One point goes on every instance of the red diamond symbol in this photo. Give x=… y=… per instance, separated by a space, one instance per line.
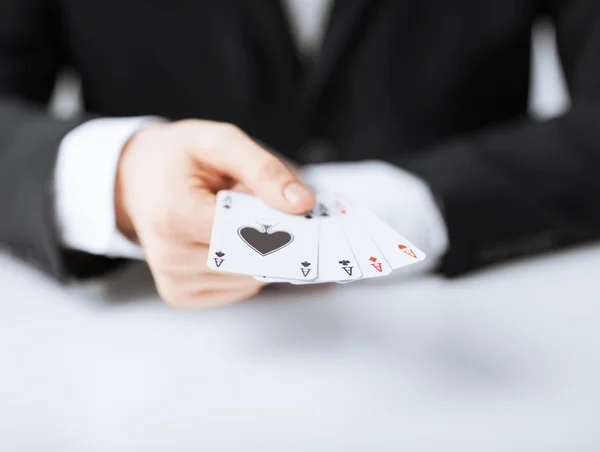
x=373 y=259
x=402 y=247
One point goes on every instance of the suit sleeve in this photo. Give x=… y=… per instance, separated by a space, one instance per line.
x=31 y=53
x=527 y=187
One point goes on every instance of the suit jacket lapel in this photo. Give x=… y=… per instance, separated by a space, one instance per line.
x=346 y=21
x=269 y=24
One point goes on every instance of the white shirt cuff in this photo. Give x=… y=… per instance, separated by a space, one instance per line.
x=398 y=197
x=84 y=184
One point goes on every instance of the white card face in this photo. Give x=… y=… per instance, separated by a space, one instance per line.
x=336 y=259
x=368 y=256
x=396 y=249
x=249 y=237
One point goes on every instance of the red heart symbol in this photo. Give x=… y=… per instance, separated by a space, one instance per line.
x=402 y=247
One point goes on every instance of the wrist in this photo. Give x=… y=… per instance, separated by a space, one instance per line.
x=123 y=220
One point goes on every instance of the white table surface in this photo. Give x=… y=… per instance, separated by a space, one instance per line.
x=504 y=360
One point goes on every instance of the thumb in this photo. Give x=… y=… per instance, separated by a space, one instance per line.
x=279 y=187
x=261 y=172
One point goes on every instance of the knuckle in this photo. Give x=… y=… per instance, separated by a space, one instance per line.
x=170 y=300
x=243 y=295
x=269 y=168
x=218 y=137
x=188 y=130
x=202 y=296
x=231 y=298
x=170 y=224
x=176 y=302
x=167 y=292
x=229 y=130
x=163 y=223
x=160 y=258
x=251 y=289
x=229 y=137
x=176 y=291
x=186 y=124
x=255 y=290
x=144 y=138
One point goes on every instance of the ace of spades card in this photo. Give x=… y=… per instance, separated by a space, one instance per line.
x=249 y=237
x=336 y=259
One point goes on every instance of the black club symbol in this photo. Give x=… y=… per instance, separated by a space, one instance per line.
x=344 y=262
x=305 y=264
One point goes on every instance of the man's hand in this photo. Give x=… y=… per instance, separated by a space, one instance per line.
x=164 y=198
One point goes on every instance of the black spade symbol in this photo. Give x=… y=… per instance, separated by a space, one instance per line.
x=265 y=242
x=305 y=264
x=220 y=253
x=344 y=262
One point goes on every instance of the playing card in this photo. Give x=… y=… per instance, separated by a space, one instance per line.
x=336 y=260
x=249 y=237
x=396 y=249
x=369 y=257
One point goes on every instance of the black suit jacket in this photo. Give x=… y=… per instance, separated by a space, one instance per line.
x=438 y=87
